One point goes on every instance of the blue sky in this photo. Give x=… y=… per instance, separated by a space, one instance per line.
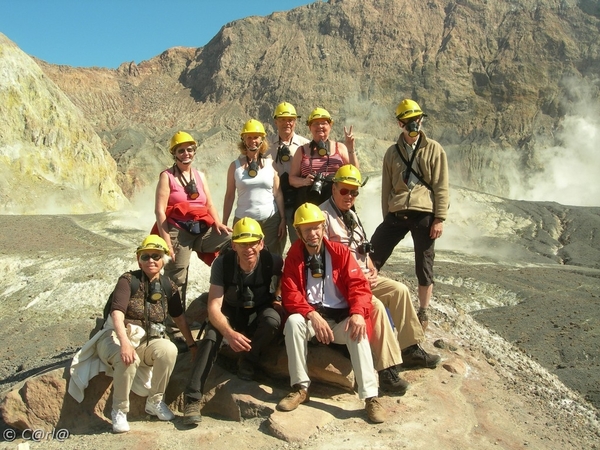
x=106 y=33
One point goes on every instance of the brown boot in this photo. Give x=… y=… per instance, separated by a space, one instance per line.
x=291 y=401
x=375 y=411
x=191 y=412
x=423 y=318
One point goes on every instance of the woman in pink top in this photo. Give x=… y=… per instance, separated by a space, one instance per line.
x=185 y=215
x=315 y=163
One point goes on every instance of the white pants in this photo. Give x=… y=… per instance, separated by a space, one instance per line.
x=298 y=331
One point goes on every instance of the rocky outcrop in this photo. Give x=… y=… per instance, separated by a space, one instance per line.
x=496 y=78
x=52 y=159
x=42 y=401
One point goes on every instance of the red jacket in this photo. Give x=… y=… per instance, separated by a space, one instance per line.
x=347 y=276
x=184 y=208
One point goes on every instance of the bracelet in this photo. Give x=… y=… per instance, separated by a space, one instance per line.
x=278 y=298
x=192 y=345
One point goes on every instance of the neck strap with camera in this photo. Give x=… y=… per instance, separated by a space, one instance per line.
x=154 y=294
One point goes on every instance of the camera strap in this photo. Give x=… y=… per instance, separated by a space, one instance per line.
x=181 y=177
x=410 y=169
x=146 y=313
x=352 y=223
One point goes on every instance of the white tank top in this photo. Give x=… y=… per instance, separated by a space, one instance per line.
x=255 y=195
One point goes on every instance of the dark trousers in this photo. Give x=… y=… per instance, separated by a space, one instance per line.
x=393 y=229
x=262 y=330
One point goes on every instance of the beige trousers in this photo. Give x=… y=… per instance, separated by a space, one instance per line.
x=384 y=347
x=396 y=298
x=160 y=354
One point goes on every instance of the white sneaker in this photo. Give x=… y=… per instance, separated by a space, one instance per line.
x=119 y=421
x=160 y=410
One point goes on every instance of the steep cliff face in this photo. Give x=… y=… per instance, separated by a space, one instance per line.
x=496 y=78
x=53 y=160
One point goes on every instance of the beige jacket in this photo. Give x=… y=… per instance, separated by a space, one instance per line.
x=433 y=167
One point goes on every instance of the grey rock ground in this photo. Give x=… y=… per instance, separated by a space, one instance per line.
x=533 y=382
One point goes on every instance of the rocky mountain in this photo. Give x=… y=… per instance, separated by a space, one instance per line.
x=52 y=158
x=497 y=79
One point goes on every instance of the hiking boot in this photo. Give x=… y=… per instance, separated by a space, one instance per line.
x=415 y=357
x=192 y=411
x=119 y=421
x=375 y=411
x=390 y=381
x=245 y=369
x=291 y=401
x=423 y=318
x=158 y=409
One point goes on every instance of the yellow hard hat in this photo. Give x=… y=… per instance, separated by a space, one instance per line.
x=179 y=138
x=348 y=174
x=408 y=108
x=253 y=126
x=308 y=213
x=153 y=242
x=285 y=109
x=247 y=230
x=319 y=113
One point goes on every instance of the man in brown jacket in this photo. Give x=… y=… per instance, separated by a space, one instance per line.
x=414 y=197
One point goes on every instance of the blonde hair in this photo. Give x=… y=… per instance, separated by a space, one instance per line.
x=264 y=146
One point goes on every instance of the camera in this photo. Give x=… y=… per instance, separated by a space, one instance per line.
x=283 y=153
x=191 y=190
x=157 y=330
x=412 y=128
x=365 y=248
x=248 y=297
x=317 y=185
x=315 y=264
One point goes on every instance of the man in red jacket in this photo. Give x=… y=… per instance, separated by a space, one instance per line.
x=327 y=297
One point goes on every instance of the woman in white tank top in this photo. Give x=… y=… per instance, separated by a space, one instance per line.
x=254 y=179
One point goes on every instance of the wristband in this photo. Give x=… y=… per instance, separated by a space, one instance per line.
x=192 y=345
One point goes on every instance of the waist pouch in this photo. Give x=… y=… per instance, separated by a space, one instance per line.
x=193 y=226
x=335 y=314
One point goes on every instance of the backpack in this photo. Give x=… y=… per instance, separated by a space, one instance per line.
x=229 y=264
x=136 y=279
x=266 y=260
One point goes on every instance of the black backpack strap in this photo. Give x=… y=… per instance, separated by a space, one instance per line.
x=266 y=259
x=167 y=287
x=409 y=166
x=229 y=269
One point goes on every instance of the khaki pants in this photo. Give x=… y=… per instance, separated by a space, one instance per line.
x=384 y=347
x=160 y=354
x=298 y=331
x=396 y=297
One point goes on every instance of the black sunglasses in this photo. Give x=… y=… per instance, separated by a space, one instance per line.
x=181 y=151
x=352 y=192
x=146 y=256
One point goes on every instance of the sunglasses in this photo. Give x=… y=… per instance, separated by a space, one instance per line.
x=352 y=192
x=146 y=256
x=181 y=151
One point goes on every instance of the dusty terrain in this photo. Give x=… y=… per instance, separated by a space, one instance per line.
x=489 y=393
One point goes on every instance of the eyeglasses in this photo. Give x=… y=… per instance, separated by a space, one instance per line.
x=352 y=192
x=146 y=256
x=181 y=151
